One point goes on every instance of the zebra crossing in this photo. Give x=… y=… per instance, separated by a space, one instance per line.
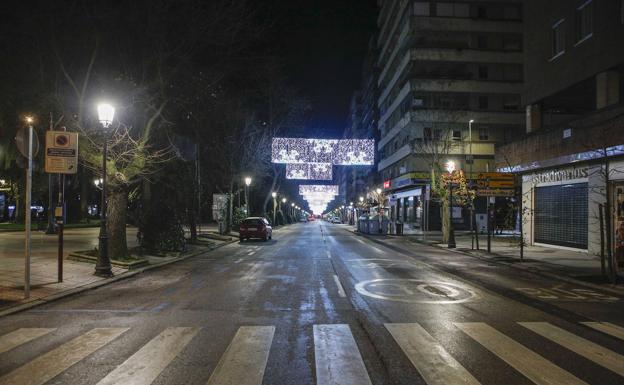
x=337 y=357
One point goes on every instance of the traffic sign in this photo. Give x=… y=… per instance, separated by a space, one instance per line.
x=61 y=155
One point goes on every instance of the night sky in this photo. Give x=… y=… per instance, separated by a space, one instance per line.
x=322 y=44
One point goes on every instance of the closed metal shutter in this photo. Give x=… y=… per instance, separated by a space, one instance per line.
x=561 y=215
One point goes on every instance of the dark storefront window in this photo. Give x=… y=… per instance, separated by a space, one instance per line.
x=561 y=215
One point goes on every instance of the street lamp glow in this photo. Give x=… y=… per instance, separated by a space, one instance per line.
x=29 y=119
x=471 y=121
x=273 y=194
x=98 y=182
x=378 y=191
x=106 y=113
x=450 y=166
x=247 y=181
x=292 y=205
x=284 y=200
x=361 y=199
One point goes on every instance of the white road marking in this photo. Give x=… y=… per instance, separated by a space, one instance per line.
x=147 y=363
x=21 y=336
x=244 y=361
x=328 y=254
x=337 y=357
x=581 y=346
x=432 y=361
x=533 y=366
x=341 y=291
x=54 y=362
x=607 y=328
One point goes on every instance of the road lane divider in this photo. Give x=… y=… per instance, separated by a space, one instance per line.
x=244 y=361
x=337 y=357
x=146 y=364
x=341 y=291
x=530 y=364
x=579 y=345
x=54 y=362
x=433 y=362
x=607 y=328
x=21 y=336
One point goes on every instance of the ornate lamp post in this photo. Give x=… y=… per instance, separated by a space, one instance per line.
x=106 y=112
x=450 y=167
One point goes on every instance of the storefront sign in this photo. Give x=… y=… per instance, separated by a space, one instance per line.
x=556 y=175
x=386 y=183
x=410 y=179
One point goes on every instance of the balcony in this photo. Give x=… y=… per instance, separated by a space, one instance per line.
x=397 y=156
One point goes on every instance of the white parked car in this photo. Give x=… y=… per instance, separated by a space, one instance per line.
x=335 y=220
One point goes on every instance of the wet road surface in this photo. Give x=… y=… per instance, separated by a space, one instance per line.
x=320 y=305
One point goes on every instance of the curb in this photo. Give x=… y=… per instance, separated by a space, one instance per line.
x=564 y=278
x=104 y=282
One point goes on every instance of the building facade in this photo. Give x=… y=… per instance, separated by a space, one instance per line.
x=571 y=158
x=450 y=84
x=355 y=181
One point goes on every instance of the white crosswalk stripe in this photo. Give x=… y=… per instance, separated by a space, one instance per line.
x=433 y=362
x=338 y=360
x=147 y=363
x=244 y=361
x=607 y=328
x=581 y=346
x=337 y=357
x=530 y=364
x=54 y=362
x=21 y=336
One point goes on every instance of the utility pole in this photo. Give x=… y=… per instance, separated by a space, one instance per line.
x=50 y=229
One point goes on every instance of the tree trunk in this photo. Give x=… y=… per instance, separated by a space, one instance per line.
x=268 y=196
x=117 y=205
x=446 y=220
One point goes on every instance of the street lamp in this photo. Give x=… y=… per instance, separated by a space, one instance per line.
x=450 y=167
x=106 y=112
x=274 y=195
x=247 y=184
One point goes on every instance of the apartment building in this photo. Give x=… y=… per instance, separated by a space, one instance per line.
x=572 y=156
x=450 y=85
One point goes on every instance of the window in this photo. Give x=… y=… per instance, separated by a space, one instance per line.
x=511 y=102
x=483 y=72
x=421 y=9
x=427 y=135
x=437 y=134
x=483 y=134
x=584 y=21
x=418 y=102
x=512 y=72
x=567 y=133
x=452 y=10
x=558 y=39
x=483 y=102
x=456 y=134
x=482 y=41
x=511 y=12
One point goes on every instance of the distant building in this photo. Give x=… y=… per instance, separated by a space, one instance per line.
x=361 y=124
x=572 y=155
x=443 y=64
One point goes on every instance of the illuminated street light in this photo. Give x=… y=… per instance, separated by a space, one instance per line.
x=450 y=166
x=247 y=181
x=378 y=190
x=106 y=113
x=274 y=195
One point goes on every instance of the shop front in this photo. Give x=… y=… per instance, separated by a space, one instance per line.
x=407 y=196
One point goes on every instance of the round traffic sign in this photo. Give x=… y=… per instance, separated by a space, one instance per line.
x=21 y=141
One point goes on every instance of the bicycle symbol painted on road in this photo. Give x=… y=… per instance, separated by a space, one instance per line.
x=415 y=291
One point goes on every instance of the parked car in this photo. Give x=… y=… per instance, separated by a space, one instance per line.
x=303 y=219
x=311 y=218
x=335 y=220
x=255 y=227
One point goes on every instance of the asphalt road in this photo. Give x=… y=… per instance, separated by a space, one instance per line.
x=320 y=305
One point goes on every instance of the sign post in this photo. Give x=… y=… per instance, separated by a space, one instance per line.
x=61 y=157
x=492 y=185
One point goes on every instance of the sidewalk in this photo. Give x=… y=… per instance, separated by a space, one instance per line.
x=562 y=263
x=77 y=276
